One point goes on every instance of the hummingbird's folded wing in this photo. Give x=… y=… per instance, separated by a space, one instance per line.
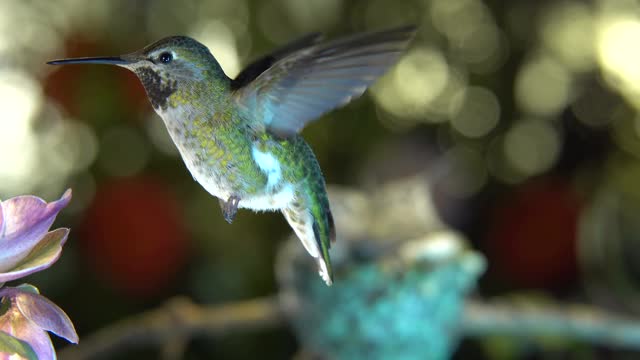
x=309 y=82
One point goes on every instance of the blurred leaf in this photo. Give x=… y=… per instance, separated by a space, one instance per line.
x=5 y=303
x=11 y=345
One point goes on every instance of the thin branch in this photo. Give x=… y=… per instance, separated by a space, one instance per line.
x=181 y=319
x=578 y=322
x=178 y=318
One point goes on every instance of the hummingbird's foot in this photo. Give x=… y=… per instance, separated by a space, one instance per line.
x=230 y=208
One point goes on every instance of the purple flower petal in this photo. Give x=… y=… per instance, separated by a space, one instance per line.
x=47 y=315
x=14 y=323
x=1 y=221
x=43 y=255
x=28 y=288
x=26 y=219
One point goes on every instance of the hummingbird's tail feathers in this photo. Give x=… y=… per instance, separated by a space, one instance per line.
x=310 y=217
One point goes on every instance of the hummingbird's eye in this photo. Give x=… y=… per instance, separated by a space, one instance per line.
x=166 y=57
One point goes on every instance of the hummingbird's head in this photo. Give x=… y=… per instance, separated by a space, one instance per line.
x=165 y=67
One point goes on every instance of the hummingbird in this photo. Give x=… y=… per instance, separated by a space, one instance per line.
x=240 y=138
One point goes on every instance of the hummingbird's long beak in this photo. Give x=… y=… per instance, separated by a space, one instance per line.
x=108 y=60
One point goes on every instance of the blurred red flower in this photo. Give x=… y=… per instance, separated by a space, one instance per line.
x=532 y=234
x=134 y=237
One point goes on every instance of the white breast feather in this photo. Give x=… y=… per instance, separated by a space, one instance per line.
x=270 y=165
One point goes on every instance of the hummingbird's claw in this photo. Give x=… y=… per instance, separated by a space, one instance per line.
x=230 y=208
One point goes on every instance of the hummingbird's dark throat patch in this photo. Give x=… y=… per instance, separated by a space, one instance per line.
x=158 y=89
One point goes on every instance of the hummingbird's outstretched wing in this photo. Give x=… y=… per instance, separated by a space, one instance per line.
x=258 y=66
x=311 y=81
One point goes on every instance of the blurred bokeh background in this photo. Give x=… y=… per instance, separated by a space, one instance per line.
x=523 y=114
